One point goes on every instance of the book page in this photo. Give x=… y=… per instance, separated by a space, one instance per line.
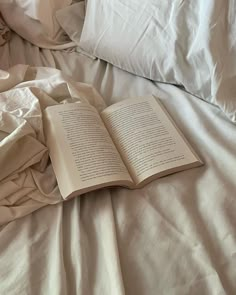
x=147 y=139
x=82 y=153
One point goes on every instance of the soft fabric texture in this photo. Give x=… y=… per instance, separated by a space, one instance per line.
x=175 y=236
x=71 y=19
x=36 y=21
x=27 y=181
x=5 y=32
x=189 y=43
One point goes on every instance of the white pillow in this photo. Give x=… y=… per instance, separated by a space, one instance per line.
x=189 y=43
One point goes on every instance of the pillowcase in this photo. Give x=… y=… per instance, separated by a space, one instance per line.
x=188 y=43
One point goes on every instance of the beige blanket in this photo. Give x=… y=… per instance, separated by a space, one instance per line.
x=5 y=32
x=27 y=181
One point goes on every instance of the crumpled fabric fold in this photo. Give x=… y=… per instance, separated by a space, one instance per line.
x=27 y=180
x=5 y=32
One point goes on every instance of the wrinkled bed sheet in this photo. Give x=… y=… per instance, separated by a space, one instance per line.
x=177 y=235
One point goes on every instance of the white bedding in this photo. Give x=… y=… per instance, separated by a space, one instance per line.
x=189 y=43
x=175 y=236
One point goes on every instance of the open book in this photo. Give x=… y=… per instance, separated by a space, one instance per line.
x=128 y=144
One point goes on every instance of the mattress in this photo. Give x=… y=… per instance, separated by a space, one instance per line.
x=174 y=236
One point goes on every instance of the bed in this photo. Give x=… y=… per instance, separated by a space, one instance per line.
x=177 y=235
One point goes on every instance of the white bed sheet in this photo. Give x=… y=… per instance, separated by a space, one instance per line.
x=175 y=236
